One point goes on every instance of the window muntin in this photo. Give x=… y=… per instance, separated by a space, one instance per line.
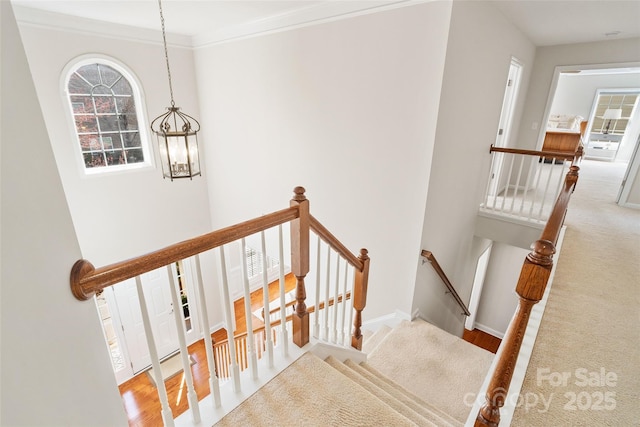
x=106 y=120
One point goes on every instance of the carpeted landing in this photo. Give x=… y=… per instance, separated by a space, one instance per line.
x=405 y=382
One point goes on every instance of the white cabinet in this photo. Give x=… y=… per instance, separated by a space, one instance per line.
x=602 y=146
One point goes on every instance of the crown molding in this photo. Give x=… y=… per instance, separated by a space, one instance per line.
x=313 y=14
x=90 y=27
x=303 y=17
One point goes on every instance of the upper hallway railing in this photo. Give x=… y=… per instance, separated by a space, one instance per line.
x=450 y=288
x=338 y=263
x=524 y=184
x=530 y=288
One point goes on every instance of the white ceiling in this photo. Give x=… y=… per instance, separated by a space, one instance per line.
x=545 y=22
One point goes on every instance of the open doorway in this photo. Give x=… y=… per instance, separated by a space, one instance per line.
x=497 y=183
x=589 y=91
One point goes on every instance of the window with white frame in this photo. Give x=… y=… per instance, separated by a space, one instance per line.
x=104 y=106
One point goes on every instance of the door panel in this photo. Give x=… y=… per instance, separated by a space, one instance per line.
x=158 y=297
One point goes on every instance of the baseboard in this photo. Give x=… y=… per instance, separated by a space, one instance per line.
x=391 y=320
x=630 y=205
x=488 y=330
x=219 y=325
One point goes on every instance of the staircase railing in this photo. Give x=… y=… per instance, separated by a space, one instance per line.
x=530 y=288
x=86 y=281
x=450 y=288
x=524 y=184
x=221 y=348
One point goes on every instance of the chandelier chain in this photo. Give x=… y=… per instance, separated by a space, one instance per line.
x=166 y=52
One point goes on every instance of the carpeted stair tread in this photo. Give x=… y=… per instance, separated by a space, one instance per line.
x=312 y=393
x=427 y=410
x=380 y=393
x=436 y=366
x=369 y=344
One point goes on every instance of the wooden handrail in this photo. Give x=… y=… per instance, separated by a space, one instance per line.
x=547 y=154
x=335 y=244
x=530 y=288
x=436 y=266
x=86 y=280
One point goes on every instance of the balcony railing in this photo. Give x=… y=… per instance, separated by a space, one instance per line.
x=339 y=299
x=524 y=184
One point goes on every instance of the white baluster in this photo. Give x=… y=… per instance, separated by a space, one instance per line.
x=214 y=382
x=537 y=187
x=344 y=301
x=316 y=326
x=268 y=343
x=167 y=417
x=326 y=296
x=229 y=314
x=351 y=310
x=515 y=191
x=506 y=190
x=525 y=195
x=546 y=188
x=251 y=353
x=335 y=299
x=283 y=310
x=192 y=397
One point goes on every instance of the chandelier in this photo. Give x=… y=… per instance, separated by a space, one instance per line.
x=176 y=132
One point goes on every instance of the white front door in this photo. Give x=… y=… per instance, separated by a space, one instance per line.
x=158 y=296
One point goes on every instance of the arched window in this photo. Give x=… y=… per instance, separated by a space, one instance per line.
x=103 y=101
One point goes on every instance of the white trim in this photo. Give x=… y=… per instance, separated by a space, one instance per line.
x=391 y=320
x=554 y=87
x=38 y=18
x=488 y=330
x=306 y=16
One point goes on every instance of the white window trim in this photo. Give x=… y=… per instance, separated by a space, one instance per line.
x=139 y=98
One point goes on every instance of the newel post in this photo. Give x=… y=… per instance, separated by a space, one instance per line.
x=361 y=281
x=530 y=288
x=300 y=265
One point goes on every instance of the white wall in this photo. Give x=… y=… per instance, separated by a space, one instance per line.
x=119 y=215
x=499 y=298
x=122 y=215
x=576 y=93
x=55 y=368
x=346 y=109
x=481 y=45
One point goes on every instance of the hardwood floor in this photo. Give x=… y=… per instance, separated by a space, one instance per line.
x=140 y=396
x=482 y=340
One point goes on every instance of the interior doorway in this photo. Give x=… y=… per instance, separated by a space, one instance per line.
x=504 y=127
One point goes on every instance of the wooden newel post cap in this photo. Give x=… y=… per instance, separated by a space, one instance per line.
x=542 y=253
x=299 y=194
x=364 y=254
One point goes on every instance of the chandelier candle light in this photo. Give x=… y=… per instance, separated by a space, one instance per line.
x=176 y=133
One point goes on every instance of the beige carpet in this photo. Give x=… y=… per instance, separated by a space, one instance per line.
x=436 y=366
x=312 y=393
x=585 y=366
